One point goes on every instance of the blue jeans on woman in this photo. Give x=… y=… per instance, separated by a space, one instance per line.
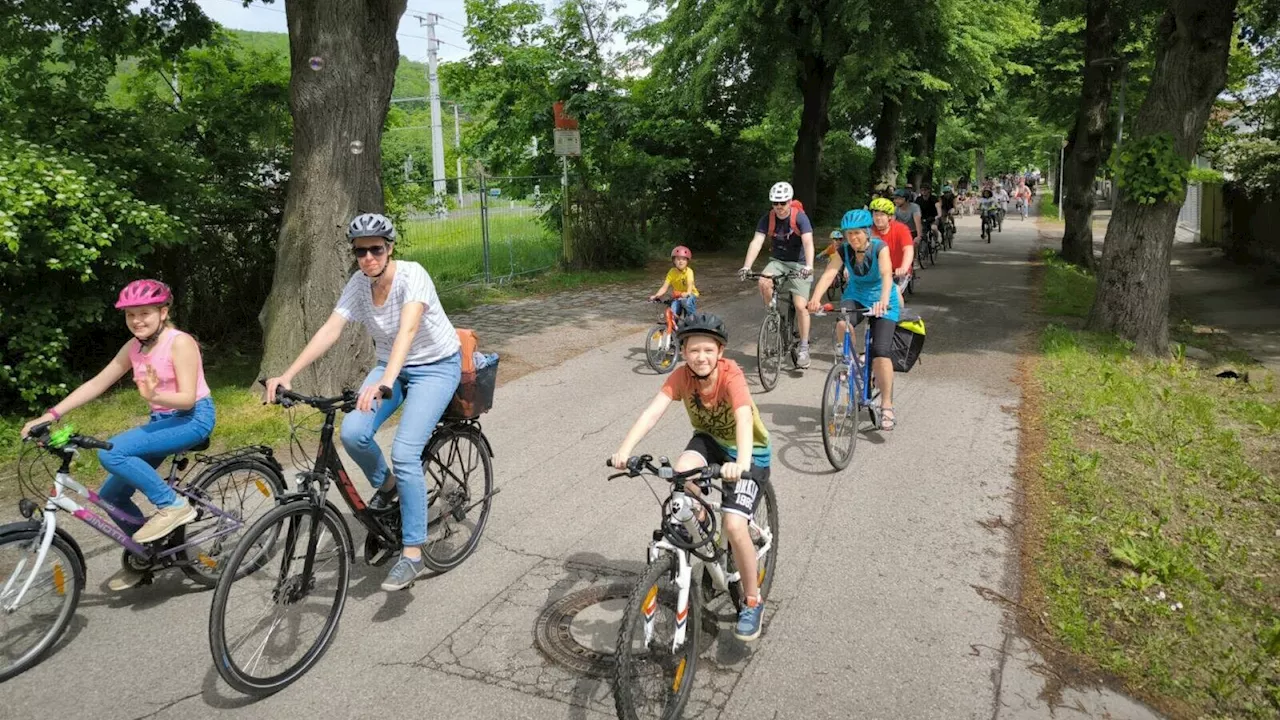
x=425 y=392
x=135 y=454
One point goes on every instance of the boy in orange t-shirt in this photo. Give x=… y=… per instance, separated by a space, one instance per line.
x=728 y=431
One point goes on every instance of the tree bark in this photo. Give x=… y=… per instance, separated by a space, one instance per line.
x=922 y=144
x=1084 y=153
x=884 y=166
x=343 y=57
x=1193 y=41
x=817 y=78
x=980 y=167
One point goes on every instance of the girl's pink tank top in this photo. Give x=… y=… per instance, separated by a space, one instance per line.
x=161 y=360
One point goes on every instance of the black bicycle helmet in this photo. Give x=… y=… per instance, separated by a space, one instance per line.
x=702 y=324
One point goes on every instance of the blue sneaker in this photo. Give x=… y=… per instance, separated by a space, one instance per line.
x=403 y=573
x=748 y=627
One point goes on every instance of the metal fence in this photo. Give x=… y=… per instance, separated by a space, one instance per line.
x=486 y=229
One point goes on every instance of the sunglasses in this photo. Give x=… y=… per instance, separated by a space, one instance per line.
x=781 y=204
x=376 y=250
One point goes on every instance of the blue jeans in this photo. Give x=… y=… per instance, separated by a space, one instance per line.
x=425 y=392
x=136 y=453
x=689 y=302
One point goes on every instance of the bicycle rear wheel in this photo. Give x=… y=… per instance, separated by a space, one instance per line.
x=459 y=475
x=839 y=417
x=285 y=595
x=769 y=351
x=660 y=349
x=653 y=679
x=35 y=622
x=245 y=489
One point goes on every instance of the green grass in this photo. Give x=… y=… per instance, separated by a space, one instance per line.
x=1048 y=210
x=1160 y=531
x=1068 y=289
x=462 y=298
x=452 y=249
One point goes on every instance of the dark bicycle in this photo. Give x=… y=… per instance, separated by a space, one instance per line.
x=778 y=334
x=309 y=571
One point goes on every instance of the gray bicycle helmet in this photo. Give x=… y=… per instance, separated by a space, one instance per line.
x=703 y=324
x=371 y=225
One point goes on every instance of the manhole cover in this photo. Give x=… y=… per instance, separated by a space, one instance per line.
x=580 y=630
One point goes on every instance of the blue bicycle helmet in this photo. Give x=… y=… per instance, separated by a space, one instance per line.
x=855 y=219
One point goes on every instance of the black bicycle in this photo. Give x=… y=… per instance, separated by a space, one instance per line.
x=306 y=575
x=778 y=334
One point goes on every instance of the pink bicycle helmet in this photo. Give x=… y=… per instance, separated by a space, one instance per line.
x=682 y=251
x=144 y=292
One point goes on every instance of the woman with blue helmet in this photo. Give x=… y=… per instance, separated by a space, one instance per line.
x=870 y=291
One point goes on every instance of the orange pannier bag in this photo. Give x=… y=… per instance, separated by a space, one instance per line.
x=474 y=395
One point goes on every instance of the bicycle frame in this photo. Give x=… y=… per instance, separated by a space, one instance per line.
x=681 y=503
x=58 y=500
x=864 y=374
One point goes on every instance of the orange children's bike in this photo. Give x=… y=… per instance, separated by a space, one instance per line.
x=661 y=349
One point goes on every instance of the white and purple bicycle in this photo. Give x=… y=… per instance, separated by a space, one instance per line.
x=689 y=566
x=42 y=569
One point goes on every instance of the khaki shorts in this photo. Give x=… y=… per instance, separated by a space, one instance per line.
x=795 y=286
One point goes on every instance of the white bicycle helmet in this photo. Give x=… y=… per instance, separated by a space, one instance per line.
x=781 y=192
x=371 y=225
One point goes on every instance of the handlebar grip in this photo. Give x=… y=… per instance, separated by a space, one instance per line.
x=92 y=443
x=384 y=391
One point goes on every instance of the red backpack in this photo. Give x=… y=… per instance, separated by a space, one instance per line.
x=796 y=207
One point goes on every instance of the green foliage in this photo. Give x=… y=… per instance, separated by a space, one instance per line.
x=67 y=237
x=1254 y=164
x=1149 y=169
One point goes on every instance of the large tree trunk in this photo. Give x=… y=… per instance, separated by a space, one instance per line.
x=817 y=77
x=884 y=166
x=1193 y=42
x=922 y=150
x=343 y=57
x=980 y=167
x=1087 y=140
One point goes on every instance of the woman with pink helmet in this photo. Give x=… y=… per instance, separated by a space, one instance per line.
x=168 y=371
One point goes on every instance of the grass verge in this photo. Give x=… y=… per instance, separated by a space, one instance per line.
x=1157 y=519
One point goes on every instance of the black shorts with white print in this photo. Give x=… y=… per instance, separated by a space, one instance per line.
x=741 y=497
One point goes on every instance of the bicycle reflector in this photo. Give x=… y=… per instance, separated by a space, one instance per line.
x=61 y=436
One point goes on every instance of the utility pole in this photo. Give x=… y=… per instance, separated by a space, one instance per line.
x=457 y=144
x=1115 y=191
x=437 y=127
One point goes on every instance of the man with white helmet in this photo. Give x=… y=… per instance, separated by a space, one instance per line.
x=791 y=236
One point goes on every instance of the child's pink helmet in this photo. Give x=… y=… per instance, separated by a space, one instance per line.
x=681 y=251
x=144 y=292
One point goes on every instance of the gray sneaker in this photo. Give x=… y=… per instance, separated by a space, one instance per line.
x=403 y=573
x=802 y=358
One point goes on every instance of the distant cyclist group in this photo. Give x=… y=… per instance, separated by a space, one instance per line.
x=424 y=364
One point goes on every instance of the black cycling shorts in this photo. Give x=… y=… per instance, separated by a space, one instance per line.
x=881 y=329
x=741 y=497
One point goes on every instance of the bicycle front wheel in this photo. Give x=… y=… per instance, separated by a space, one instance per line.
x=839 y=417
x=769 y=351
x=653 y=678
x=33 y=618
x=459 y=474
x=660 y=350
x=289 y=608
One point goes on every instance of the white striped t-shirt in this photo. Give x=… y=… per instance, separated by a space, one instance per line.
x=436 y=338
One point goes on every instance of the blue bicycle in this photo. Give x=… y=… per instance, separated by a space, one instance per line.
x=850 y=388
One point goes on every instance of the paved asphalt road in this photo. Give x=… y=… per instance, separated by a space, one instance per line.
x=876 y=610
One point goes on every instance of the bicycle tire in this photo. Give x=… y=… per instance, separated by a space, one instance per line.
x=770 y=339
x=286 y=515
x=459 y=501
x=765 y=571
x=661 y=361
x=74 y=574
x=681 y=684
x=206 y=556
x=838 y=381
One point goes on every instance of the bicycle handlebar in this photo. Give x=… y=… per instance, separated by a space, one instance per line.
x=776 y=278
x=287 y=398
x=643 y=463
x=40 y=435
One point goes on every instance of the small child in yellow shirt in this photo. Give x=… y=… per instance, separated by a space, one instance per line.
x=679 y=281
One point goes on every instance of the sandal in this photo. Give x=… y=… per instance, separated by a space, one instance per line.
x=887 y=419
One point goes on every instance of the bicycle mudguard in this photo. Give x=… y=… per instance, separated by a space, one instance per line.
x=35 y=525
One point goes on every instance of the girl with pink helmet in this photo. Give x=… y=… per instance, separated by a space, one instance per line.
x=169 y=373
